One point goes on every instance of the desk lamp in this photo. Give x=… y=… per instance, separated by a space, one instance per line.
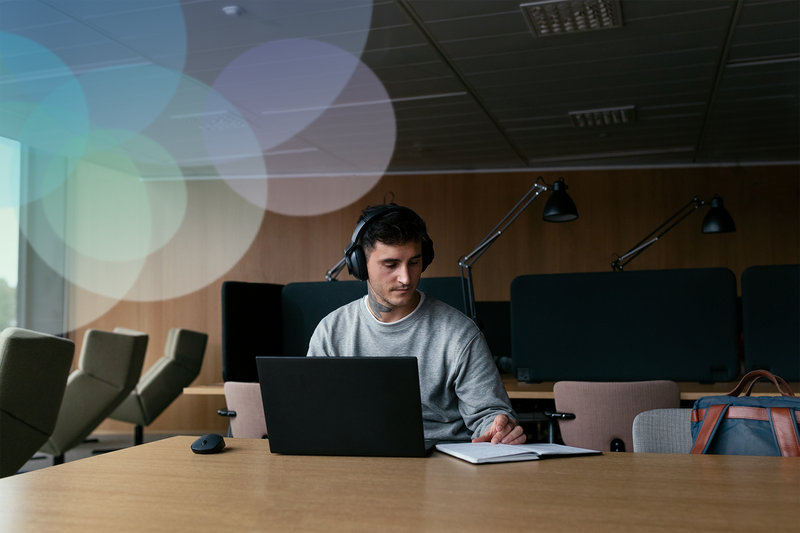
x=558 y=208
x=333 y=273
x=717 y=220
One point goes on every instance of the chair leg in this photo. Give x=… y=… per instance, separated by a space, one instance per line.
x=58 y=459
x=138 y=435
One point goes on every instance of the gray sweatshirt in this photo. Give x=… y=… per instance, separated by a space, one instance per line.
x=460 y=387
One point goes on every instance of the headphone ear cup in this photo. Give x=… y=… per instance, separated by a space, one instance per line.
x=427 y=252
x=357 y=263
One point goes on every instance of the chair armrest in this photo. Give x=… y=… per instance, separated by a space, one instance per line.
x=554 y=415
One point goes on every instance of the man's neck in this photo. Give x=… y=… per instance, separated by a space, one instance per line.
x=386 y=314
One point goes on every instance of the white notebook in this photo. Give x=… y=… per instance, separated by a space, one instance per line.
x=486 y=452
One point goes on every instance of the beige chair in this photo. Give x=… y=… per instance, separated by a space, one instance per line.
x=108 y=369
x=663 y=431
x=604 y=412
x=164 y=381
x=245 y=409
x=33 y=375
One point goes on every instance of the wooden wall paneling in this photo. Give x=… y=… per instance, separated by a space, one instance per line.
x=617 y=208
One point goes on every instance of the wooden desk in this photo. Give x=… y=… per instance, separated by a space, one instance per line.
x=163 y=486
x=215 y=389
x=689 y=390
x=544 y=391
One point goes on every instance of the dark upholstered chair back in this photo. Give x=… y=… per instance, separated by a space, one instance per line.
x=33 y=375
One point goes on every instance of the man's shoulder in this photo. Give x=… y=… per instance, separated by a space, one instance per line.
x=345 y=311
x=445 y=312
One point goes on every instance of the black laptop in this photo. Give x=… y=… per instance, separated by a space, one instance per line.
x=366 y=406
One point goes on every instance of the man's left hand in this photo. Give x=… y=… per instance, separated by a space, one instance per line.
x=503 y=431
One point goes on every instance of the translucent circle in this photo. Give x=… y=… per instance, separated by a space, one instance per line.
x=128 y=99
x=92 y=306
x=117 y=214
x=233 y=148
x=30 y=72
x=343 y=23
x=207 y=135
x=287 y=83
x=152 y=30
x=110 y=279
x=43 y=131
x=10 y=167
x=219 y=227
x=41 y=105
x=344 y=152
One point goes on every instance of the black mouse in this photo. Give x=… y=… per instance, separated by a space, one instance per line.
x=211 y=443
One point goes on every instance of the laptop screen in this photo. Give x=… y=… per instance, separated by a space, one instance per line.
x=367 y=406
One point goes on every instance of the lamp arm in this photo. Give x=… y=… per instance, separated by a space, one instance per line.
x=468 y=260
x=641 y=246
x=467 y=292
x=333 y=273
x=504 y=223
x=637 y=249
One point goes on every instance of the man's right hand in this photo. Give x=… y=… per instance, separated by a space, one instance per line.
x=503 y=430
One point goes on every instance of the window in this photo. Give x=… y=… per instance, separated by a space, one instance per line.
x=9 y=230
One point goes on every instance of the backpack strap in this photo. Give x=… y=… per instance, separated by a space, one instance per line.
x=709 y=425
x=783 y=425
x=747 y=382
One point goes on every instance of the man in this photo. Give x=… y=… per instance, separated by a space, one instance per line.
x=462 y=394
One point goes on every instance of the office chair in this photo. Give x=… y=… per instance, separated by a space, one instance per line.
x=245 y=410
x=663 y=431
x=108 y=369
x=604 y=411
x=33 y=375
x=164 y=381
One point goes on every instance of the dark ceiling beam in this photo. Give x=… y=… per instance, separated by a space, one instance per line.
x=417 y=21
x=721 y=64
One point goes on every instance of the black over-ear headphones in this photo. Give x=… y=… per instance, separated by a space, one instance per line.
x=354 y=254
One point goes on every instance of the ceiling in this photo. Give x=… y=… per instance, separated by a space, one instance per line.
x=310 y=87
x=711 y=81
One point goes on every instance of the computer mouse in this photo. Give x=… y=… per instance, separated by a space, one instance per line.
x=211 y=443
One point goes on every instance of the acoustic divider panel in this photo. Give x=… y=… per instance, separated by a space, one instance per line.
x=251 y=327
x=304 y=305
x=677 y=325
x=446 y=289
x=495 y=318
x=264 y=319
x=771 y=319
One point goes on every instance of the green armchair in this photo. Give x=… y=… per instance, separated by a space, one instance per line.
x=164 y=381
x=33 y=375
x=108 y=369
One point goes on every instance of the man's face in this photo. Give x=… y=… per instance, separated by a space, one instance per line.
x=394 y=272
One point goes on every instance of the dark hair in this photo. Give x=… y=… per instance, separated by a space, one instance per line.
x=399 y=227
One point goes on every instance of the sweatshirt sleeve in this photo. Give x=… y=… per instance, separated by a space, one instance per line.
x=480 y=391
x=320 y=343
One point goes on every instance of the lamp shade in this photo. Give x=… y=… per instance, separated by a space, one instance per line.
x=718 y=220
x=559 y=207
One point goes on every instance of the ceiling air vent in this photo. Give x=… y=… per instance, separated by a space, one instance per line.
x=603 y=117
x=557 y=17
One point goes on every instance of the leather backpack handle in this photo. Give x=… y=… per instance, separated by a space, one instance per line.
x=747 y=382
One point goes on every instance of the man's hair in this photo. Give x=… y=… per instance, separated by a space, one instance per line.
x=398 y=227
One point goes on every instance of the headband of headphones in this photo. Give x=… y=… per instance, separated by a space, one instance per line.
x=354 y=253
x=378 y=212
